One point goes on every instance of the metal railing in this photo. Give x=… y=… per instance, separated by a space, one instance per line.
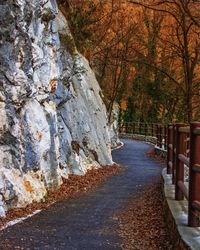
x=182 y=143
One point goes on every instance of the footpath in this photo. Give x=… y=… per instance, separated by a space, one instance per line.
x=87 y=222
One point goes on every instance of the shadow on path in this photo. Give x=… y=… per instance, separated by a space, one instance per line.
x=85 y=222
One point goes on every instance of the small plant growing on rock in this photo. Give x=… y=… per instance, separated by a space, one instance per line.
x=67 y=42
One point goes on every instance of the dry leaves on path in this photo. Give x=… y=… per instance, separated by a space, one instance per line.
x=158 y=158
x=71 y=187
x=142 y=225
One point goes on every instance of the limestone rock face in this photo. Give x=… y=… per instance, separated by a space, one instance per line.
x=113 y=127
x=52 y=119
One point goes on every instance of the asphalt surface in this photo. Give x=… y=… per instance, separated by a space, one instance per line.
x=87 y=222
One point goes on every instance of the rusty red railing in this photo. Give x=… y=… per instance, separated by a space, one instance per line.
x=159 y=131
x=184 y=151
x=182 y=143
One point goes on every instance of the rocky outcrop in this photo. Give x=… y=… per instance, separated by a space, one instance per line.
x=113 y=127
x=53 y=120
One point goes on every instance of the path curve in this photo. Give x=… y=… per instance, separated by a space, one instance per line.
x=86 y=222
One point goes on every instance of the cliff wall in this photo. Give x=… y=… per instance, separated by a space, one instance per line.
x=53 y=121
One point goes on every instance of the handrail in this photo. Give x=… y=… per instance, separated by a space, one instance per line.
x=196 y=168
x=183 y=188
x=159 y=131
x=182 y=143
x=184 y=159
x=196 y=131
x=186 y=140
x=184 y=130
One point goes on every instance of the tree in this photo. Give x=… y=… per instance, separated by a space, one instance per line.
x=147 y=50
x=183 y=43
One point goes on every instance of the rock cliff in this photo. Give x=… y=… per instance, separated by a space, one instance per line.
x=53 y=120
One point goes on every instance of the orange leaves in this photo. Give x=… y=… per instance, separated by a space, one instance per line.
x=141 y=225
x=53 y=84
x=74 y=185
x=28 y=186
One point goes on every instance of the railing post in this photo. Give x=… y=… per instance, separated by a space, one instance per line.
x=194 y=177
x=180 y=149
x=160 y=135
x=152 y=129
x=173 y=153
x=128 y=127
x=188 y=146
x=165 y=136
x=133 y=126
x=157 y=135
x=140 y=128
x=169 y=150
x=145 y=129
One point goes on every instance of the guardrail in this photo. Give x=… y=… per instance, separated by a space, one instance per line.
x=182 y=143
x=159 y=131
x=184 y=151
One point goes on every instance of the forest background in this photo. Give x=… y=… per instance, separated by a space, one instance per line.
x=146 y=55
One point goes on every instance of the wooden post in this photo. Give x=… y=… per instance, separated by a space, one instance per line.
x=159 y=144
x=157 y=134
x=160 y=136
x=165 y=137
x=140 y=128
x=180 y=149
x=133 y=127
x=174 y=154
x=188 y=146
x=194 y=176
x=145 y=129
x=169 y=151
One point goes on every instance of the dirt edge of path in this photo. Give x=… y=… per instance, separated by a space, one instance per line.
x=141 y=225
x=71 y=187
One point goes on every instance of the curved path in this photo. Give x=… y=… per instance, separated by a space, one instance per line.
x=86 y=222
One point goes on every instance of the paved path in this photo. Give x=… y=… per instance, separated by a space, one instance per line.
x=86 y=222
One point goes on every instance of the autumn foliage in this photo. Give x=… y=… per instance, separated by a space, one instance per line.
x=71 y=187
x=144 y=53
